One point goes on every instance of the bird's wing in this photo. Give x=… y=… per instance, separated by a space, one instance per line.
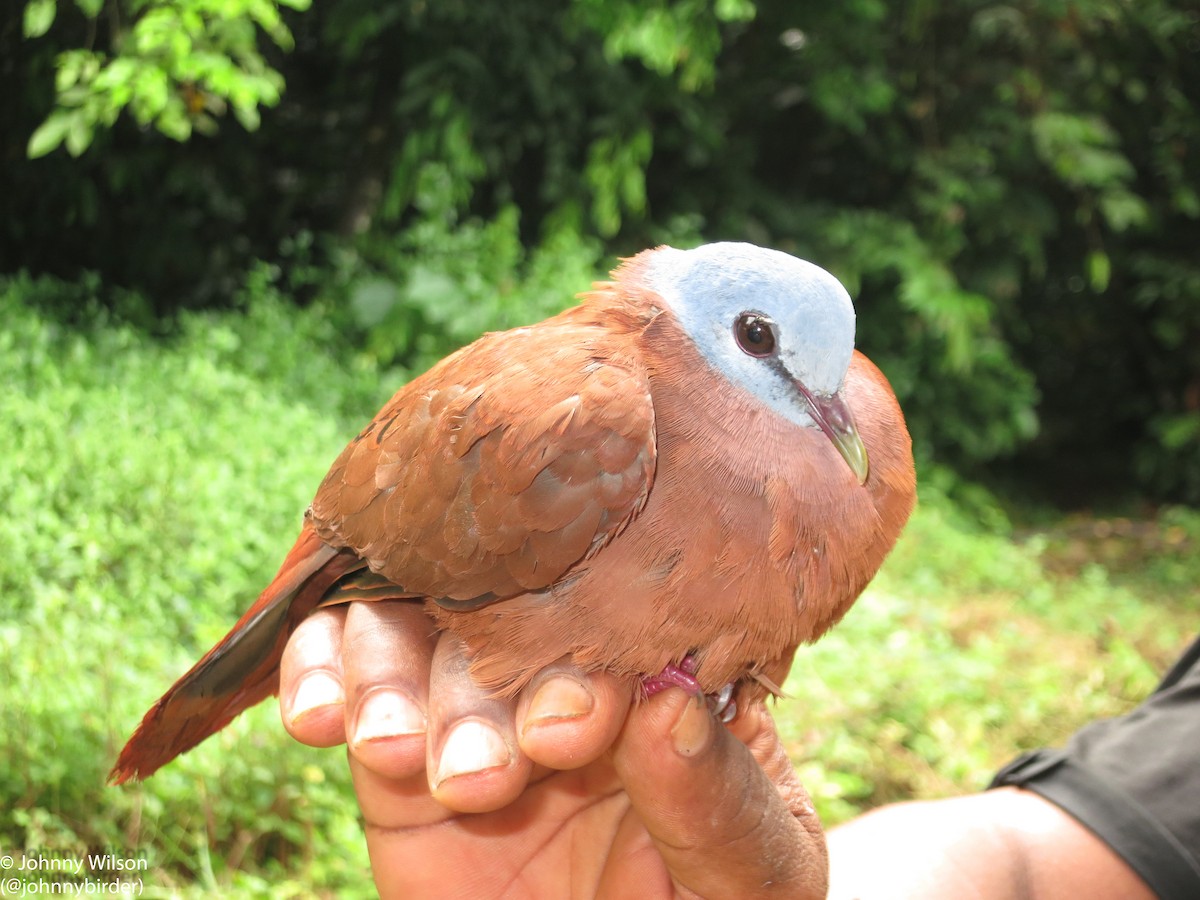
x=500 y=468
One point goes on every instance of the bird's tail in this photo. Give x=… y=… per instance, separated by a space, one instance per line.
x=243 y=668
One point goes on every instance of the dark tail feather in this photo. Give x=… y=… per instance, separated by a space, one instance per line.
x=241 y=670
x=365 y=586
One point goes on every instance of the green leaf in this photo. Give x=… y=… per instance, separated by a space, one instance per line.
x=1081 y=149
x=1179 y=431
x=371 y=300
x=39 y=16
x=735 y=10
x=1099 y=268
x=79 y=133
x=1123 y=209
x=151 y=93
x=174 y=121
x=1187 y=201
x=247 y=114
x=50 y=133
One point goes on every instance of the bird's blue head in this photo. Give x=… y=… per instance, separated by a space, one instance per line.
x=777 y=326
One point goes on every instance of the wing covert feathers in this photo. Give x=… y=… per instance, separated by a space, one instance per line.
x=502 y=467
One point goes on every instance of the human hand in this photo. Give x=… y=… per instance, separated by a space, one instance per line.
x=562 y=791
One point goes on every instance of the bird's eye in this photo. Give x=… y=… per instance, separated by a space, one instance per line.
x=755 y=334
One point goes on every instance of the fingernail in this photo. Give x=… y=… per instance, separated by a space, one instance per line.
x=314 y=691
x=471 y=747
x=691 y=730
x=561 y=697
x=384 y=714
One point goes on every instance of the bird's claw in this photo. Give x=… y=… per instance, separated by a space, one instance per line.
x=722 y=705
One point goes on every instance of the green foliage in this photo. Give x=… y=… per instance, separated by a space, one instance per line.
x=1010 y=190
x=418 y=296
x=616 y=172
x=174 y=65
x=683 y=36
x=960 y=383
x=1006 y=187
x=133 y=535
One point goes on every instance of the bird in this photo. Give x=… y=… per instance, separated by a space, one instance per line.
x=680 y=479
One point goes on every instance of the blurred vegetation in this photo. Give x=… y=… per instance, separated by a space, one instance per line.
x=233 y=227
x=130 y=541
x=1012 y=192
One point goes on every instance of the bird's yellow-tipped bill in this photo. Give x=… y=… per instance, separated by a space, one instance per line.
x=835 y=419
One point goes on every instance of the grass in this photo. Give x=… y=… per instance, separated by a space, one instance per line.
x=131 y=541
x=151 y=485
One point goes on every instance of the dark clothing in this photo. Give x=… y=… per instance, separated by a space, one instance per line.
x=1135 y=781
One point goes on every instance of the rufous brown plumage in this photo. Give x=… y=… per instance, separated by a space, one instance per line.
x=694 y=464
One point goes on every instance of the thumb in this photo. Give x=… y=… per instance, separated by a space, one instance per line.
x=721 y=825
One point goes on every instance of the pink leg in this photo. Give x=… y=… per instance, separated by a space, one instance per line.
x=721 y=704
x=682 y=676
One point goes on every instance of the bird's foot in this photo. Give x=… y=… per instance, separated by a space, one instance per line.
x=673 y=676
x=721 y=704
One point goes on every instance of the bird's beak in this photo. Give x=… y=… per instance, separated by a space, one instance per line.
x=833 y=415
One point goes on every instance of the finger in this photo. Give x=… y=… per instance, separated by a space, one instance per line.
x=719 y=822
x=311 y=693
x=474 y=763
x=386 y=651
x=756 y=729
x=567 y=718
